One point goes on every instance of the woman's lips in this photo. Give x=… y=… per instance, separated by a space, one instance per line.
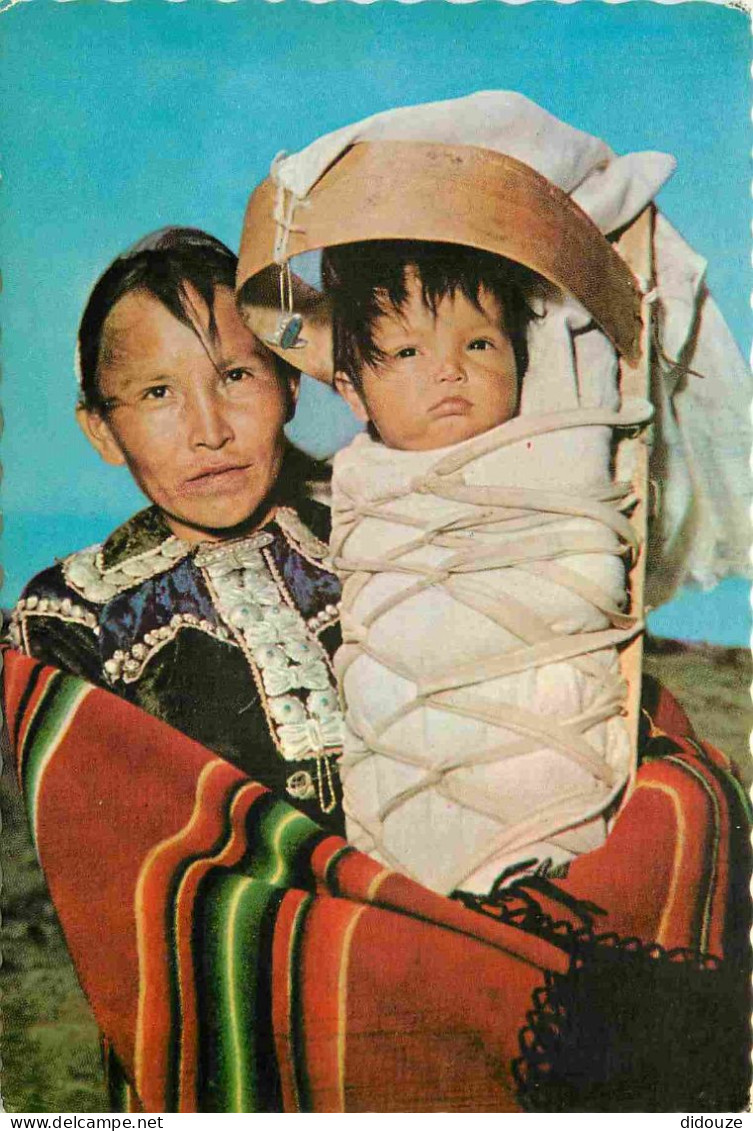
x=215 y=480
x=451 y=406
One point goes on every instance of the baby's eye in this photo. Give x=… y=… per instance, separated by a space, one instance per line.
x=481 y=344
x=407 y=351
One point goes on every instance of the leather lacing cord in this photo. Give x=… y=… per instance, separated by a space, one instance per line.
x=542 y=550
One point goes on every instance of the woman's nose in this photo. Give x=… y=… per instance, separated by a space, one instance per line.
x=209 y=422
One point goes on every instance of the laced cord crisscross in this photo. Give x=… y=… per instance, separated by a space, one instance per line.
x=454 y=537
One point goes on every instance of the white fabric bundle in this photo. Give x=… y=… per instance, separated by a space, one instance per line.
x=699 y=464
x=455 y=768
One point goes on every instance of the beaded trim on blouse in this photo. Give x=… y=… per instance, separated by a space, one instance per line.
x=290 y=666
x=85 y=572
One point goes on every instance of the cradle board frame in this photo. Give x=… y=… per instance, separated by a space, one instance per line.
x=632 y=461
x=385 y=190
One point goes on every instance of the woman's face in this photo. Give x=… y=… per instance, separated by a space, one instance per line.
x=196 y=413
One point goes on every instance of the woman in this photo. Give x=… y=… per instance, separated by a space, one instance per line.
x=212 y=609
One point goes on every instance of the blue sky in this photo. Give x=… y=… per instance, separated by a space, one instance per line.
x=119 y=118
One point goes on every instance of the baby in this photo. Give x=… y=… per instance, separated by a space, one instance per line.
x=484 y=728
x=429 y=339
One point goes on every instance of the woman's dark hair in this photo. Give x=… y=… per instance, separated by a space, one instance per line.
x=161 y=264
x=367 y=280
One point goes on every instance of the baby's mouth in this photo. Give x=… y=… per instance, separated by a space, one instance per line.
x=451 y=406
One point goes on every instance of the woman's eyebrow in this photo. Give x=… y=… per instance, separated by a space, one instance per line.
x=237 y=359
x=136 y=380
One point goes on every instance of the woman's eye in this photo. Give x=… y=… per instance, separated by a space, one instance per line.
x=156 y=393
x=481 y=344
x=233 y=376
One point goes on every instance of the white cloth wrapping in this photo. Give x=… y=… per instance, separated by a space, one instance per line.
x=464 y=827
x=467 y=826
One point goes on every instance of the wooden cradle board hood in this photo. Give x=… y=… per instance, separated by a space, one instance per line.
x=390 y=190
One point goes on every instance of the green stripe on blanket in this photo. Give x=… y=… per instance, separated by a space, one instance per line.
x=280 y=842
x=237 y=1023
x=232 y=957
x=52 y=715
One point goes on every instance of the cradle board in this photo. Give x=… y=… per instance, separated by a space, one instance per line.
x=538 y=225
x=387 y=190
x=632 y=461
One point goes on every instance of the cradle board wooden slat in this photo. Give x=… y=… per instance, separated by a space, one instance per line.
x=388 y=190
x=632 y=461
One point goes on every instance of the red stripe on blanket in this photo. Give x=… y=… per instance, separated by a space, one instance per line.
x=378 y=885
x=667 y=716
x=325 y=863
x=428 y=1019
x=17 y=676
x=662 y=875
x=713 y=907
x=718 y=758
x=324 y=959
x=99 y=834
x=154 y=904
x=229 y=854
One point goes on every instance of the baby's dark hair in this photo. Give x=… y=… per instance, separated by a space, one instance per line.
x=366 y=280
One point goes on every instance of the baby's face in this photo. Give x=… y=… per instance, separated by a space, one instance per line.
x=445 y=377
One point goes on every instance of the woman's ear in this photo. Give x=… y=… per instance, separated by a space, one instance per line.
x=350 y=393
x=100 y=435
x=292 y=389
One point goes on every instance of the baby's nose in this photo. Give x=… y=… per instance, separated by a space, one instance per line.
x=451 y=369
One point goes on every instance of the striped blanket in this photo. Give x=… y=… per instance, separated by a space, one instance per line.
x=239 y=958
